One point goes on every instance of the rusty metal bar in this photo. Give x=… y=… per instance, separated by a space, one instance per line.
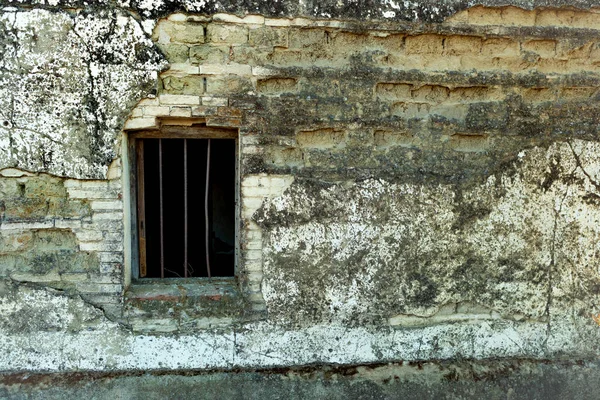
x=141 y=197
x=185 y=210
x=160 y=202
x=206 y=222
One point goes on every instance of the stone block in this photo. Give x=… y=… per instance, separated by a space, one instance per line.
x=214 y=101
x=156 y=111
x=92 y=194
x=182 y=69
x=226 y=33
x=15 y=241
x=179 y=100
x=233 y=69
x=208 y=54
x=277 y=22
x=554 y=17
x=515 y=16
x=424 y=44
x=254 y=19
x=189 y=85
x=99 y=216
x=26 y=225
x=277 y=85
x=201 y=111
x=189 y=32
x=393 y=91
x=320 y=138
x=458 y=45
x=175 y=53
x=543 y=48
x=268 y=37
x=256 y=191
x=177 y=17
x=500 y=47
x=229 y=18
x=180 y=112
x=223 y=122
x=88 y=235
x=67 y=223
x=227 y=85
x=110 y=257
x=300 y=38
x=479 y=15
x=139 y=123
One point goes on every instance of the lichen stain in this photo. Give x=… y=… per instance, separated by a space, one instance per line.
x=72 y=78
x=377 y=248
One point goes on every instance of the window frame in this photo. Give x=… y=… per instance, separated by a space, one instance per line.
x=176 y=130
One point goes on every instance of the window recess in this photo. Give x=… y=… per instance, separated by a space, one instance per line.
x=185 y=186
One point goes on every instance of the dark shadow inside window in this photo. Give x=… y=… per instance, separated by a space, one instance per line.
x=165 y=232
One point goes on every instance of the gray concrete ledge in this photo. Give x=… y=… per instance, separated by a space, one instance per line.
x=499 y=379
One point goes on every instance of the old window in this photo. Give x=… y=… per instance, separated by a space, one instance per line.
x=185 y=189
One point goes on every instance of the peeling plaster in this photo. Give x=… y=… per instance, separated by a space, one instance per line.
x=70 y=71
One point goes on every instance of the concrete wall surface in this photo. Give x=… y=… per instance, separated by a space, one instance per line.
x=417 y=182
x=498 y=380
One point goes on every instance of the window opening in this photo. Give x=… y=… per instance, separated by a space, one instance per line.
x=186 y=207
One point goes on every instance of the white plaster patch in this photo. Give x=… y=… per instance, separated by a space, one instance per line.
x=61 y=104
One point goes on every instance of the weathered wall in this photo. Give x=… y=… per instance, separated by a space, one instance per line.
x=497 y=380
x=409 y=191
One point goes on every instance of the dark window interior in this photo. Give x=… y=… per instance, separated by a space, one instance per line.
x=219 y=205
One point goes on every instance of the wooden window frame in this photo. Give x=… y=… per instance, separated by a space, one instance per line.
x=176 y=131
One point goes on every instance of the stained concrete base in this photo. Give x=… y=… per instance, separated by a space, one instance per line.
x=514 y=379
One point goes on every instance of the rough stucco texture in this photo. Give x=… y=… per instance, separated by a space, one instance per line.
x=67 y=80
x=408 y=191
x=520 y=246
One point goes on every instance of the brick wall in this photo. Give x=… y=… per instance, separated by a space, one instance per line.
x=412 y=184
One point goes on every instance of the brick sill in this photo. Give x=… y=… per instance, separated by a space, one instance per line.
x=177 y=289
x=184 y=305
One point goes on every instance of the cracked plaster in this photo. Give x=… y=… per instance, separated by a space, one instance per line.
x=344 y=238
x=67 y=80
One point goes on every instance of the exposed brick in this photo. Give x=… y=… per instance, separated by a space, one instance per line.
x=173 y=99
x=424 y=44
x=181 y=112
x=203 y=111
x=234 y=69
x=268 y=37
x=183 y=32
x=139 y=123
x=498 y=47
x=214 y=101
x=458 y=45
x=156 y=111
x=229 y=112
x=226 y=33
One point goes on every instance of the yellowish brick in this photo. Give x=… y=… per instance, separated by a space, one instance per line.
x=180 y=112
x=499 y=47
x=225 y=33
x=155 y=111
x=175 y=99
x=139 y=123
x=458 y=45
x=544 y=48
x=222 y=17
x=485 y=16
x=515 y=16
x=424 y=44
x=183 y=32
x=254 y=19
x=277 y=22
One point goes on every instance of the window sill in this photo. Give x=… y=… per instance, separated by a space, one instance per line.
x=183 y=305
